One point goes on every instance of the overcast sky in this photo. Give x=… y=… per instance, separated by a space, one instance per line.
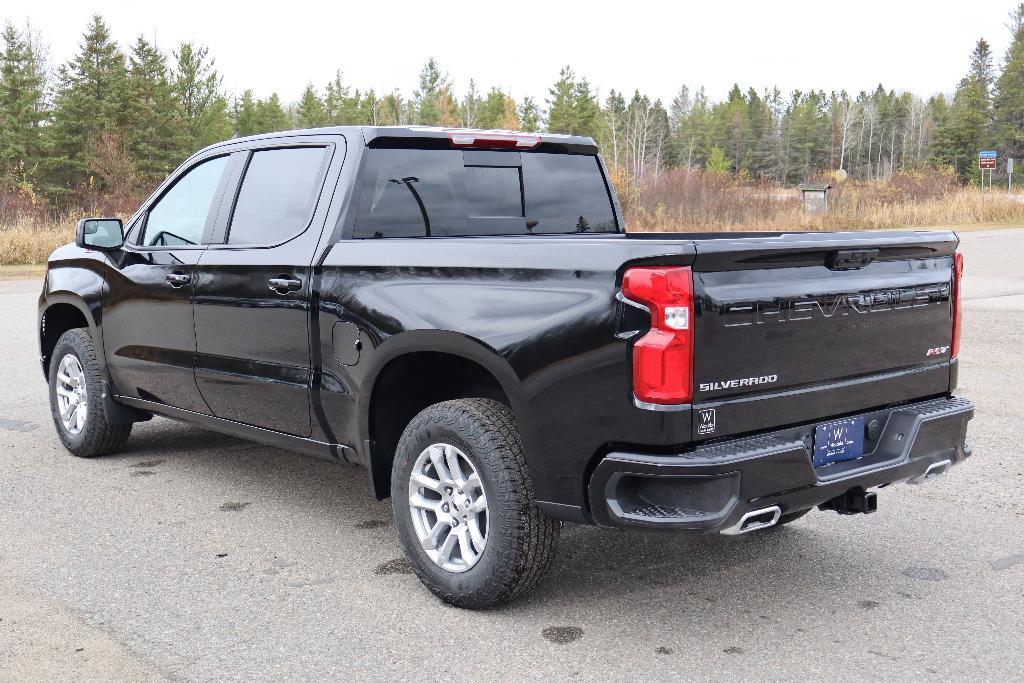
x=921 y=46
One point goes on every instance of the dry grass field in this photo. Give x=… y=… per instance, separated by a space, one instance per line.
x=688 y=200
x=30 y=241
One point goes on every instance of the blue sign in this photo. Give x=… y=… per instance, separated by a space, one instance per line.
x=987 y=154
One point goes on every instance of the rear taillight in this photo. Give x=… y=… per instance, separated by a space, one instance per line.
x=485 y=140
x=663 y=358
x=958 y=272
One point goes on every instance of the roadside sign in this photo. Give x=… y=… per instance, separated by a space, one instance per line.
x=1009 y=165
x=987 y=162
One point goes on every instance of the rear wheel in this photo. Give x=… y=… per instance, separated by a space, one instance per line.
x=464 y=506
x=76 y=398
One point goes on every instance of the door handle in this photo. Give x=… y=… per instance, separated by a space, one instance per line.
x=178 y=279
x=284 y=284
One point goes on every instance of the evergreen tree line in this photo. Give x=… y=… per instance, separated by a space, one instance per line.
x=114 y=122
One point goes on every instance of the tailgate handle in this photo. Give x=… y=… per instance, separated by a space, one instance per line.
x=850 y=259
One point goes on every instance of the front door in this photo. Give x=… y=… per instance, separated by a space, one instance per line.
x=252 y=293
x=148 y=334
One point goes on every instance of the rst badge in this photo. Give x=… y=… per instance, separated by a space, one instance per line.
x=706 y=421
x=937 y=351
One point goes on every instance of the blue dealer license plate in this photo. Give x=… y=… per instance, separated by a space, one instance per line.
x=838 y=441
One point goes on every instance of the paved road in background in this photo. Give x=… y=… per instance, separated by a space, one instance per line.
x=202 y=557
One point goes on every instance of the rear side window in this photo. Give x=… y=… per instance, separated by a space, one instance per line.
x=419 y=192
x=277 y=195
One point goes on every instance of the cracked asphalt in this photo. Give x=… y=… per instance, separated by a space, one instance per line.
x=203 y=557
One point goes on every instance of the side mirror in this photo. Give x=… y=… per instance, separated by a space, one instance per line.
x=100 y=233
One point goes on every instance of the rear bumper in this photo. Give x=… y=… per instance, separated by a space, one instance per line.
x=710 y=488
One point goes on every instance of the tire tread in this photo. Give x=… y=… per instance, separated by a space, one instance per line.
x=529 y=553
x=101 y=437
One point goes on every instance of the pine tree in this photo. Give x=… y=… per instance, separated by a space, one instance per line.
x=90 y=101
x=571 y=106
x=967 y=126
x=271 y=116
x=21 y=107
x=529 y=115
x=693 y=138
x=244 y=114
x=492 y=109
x=342 y=107
x=731 y=128
x=943 y=148
x=203 y=107
x=561 y=102
x=1008 y=104
x=761 y=127
x=154 y=130
x=311 y=112
x=433 y=95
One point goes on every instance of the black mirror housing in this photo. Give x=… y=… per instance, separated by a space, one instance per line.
x=100 y=233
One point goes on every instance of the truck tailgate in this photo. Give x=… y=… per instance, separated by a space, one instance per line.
x=798 y=312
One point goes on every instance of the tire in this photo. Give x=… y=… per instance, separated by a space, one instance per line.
x=90 y=434
x=791 y=517
x=520 y=541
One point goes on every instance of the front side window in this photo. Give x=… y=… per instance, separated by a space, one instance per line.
x=179 y=217
x=277 y=195
x=430 y=192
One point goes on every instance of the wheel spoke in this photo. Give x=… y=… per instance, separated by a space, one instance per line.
x=68 y=412
x=434 y=535
x=451 y=457
x=63 y=378
x=469 y=554
x=437 y=457
x=418 y=501
x=479 y=505
x=66 y=393
x=426 y=482
x=474 y=533
x=444 y=553
x=472 y=482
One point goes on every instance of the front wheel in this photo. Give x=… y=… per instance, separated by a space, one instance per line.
x=76 y=398
x=464 y=506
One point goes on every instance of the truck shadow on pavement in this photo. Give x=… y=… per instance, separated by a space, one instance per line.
x=596 y=569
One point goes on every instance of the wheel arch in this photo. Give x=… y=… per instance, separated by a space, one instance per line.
x=59 y=313
x=417 y=369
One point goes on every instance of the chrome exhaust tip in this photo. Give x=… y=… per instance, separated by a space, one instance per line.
x=754 y=520
x=934 y=471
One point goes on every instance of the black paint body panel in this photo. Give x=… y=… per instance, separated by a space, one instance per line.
x=539 y=314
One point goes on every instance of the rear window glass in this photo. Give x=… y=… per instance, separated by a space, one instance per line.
x=419 y=192
x=277 y=195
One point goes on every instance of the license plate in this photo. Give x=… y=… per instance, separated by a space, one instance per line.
x=838 y=441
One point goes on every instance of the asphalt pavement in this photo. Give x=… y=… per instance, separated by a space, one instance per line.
x=197 y=556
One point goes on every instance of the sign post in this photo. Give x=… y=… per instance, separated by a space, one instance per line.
x=1009 y=175
x=987 y=162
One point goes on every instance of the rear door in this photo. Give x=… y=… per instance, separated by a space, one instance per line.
x=253 y=289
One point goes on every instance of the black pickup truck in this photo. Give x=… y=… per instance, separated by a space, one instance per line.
x=462 y=313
